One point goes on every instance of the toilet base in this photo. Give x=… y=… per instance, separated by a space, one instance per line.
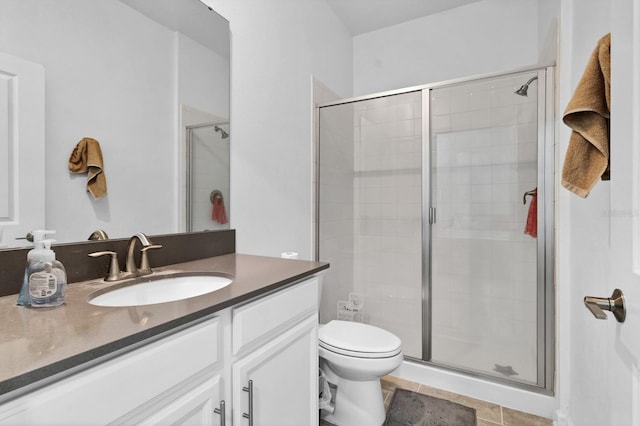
x=356 y=402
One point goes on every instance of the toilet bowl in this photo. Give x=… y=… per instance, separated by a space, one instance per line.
x=353 y=357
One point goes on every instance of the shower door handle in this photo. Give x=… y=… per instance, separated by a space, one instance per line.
x=432 y=215
x=614 y=304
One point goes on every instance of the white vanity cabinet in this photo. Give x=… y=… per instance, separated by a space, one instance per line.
x=136 y=386
x=199 y=375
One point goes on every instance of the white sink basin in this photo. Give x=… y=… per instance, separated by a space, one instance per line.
x=161 y=290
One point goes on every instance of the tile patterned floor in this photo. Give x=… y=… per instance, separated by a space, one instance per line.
x=487 y=414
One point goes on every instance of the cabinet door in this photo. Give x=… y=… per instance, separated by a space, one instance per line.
x=284 y=376
x=194 y=408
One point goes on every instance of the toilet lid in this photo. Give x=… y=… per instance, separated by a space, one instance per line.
x=354 y=338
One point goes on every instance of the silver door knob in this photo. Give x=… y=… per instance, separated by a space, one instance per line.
x=615 y=304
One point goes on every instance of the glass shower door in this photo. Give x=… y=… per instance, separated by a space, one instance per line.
x=370 y=213
x=484 y=266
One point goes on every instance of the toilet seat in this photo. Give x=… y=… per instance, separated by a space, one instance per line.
x=358 y=340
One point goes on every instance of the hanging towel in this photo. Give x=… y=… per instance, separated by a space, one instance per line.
x=218 y=213
x=531 y=228
x=87 y=158
x=587 y=157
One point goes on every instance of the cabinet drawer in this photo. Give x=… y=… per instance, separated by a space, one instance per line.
x=258 y=319
x=109 y=390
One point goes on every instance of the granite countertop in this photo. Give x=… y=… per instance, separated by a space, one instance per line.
x=38 y=343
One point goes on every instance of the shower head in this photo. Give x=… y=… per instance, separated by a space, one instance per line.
x=522 y=91
x=221 y=130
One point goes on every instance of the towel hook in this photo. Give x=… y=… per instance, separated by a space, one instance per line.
x=533 y=192
x=215 y=194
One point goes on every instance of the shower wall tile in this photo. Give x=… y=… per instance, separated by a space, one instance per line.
x=527 y=132
x=528 y=151
x=479 y=99
x=407 y=111
x=527 y=113
x=405 y=128
x=440 y=123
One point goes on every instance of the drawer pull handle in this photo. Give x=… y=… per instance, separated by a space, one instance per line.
x=249 y=389
x=221 y=411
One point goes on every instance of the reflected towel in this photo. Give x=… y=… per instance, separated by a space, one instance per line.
x=531 y=228
x=87 y=158
x=218 y=214
x=587 y=158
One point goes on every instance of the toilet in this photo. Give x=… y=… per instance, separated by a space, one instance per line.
x=354 y=356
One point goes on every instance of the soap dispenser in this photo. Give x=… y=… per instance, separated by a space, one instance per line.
x=46 y=282
x=32 y=258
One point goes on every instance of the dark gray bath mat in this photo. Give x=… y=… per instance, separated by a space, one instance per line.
x=414 y=409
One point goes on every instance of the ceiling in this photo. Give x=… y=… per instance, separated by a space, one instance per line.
x=362 y=16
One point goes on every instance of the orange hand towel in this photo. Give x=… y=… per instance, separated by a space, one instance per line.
x=531 y=228
x=587 y=158
x=87 y=158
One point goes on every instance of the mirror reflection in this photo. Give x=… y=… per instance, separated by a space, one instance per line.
x=138 y=76
x=208 y=176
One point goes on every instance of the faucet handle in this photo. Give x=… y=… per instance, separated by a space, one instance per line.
x=145 y=268
x=114 y=268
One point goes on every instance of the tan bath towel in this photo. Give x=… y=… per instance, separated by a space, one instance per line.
x=587 y=158
x=87 y=158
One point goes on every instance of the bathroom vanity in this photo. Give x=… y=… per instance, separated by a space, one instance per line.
x=239 y=355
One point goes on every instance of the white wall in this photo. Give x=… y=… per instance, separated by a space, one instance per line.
x=483 y=37
x=276 y=48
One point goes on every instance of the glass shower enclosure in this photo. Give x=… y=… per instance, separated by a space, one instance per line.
x=435 y=210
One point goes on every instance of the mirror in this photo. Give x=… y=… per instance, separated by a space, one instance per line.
x=135 y=75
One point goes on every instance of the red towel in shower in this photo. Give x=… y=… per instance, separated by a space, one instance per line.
x=219 y=214
x=531 y=228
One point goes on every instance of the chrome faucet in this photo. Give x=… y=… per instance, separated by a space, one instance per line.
x=144 y=269
x=98 y=234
